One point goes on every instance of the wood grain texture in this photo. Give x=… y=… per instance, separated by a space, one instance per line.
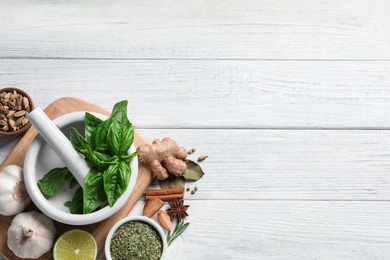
x=98 y=230
x=218 y=94
x=239 y=80
x=201 y=29
x=288 y=165
x=283 y=230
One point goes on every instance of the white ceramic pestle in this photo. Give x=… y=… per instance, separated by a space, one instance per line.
x=60 y=144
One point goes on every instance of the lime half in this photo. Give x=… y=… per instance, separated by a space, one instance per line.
x=75 y=244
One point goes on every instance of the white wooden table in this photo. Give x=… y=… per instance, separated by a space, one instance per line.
x=290 y=100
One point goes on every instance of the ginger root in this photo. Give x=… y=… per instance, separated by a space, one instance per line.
x=163 y=157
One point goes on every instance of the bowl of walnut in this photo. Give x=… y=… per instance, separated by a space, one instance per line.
x=15 y=104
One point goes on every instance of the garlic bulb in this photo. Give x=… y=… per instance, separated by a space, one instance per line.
x=30 y=235
x=13 y=194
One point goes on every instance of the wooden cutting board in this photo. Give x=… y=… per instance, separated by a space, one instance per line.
x=99 y=230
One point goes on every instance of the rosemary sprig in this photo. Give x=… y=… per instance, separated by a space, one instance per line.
x=179 y=229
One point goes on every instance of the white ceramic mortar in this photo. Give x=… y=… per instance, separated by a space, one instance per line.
x=42 y=157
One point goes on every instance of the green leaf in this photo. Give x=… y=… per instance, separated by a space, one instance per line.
x=128 y=157
x=120 y=135
x=91 y=122
x=112 y=184
x=118 y=107
x=93 y=191
x=193 y=172
x=99 y=136
x=54 y=180
x=101 y=161
x=76 y=204
x=116 y=179
x=79 y=143
x=125 y=174
x=172 y=182
x=179 y=229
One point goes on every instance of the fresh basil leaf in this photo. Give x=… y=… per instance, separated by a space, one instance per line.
x=99 y=136
x=125 y=174
x=120 y=135
x=128 y=157
x=54 y=180
x=93 y=191
x=76 y=204
x=116 y=179
x=118 y=107
x=193 y=172
x=112 y=185
x=91 y=122
x=101 y=161
x=172 y=182
x=79 y=143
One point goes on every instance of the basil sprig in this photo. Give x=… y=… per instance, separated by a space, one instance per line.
x=104 y=145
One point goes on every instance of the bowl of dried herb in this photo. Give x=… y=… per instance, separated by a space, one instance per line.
x=136 y=237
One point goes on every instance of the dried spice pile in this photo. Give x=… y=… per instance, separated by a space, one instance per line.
x=167 y=161
x=14 y=108
x=136 y=240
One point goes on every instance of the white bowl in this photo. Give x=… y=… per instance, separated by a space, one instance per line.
x=40 y=159
x=149 y=221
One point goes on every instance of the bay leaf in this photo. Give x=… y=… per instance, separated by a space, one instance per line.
x=193 y=172
x=172 y=182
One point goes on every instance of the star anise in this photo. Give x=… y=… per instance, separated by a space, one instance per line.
x=178 y=210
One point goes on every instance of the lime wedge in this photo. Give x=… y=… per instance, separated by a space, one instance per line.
x=75 y=244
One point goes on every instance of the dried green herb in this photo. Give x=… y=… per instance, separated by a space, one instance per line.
x=172 y=182
x=136 y=240
x=193 y=172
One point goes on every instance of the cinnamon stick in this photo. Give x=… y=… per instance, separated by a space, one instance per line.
x=166 y=197
x=167 y=191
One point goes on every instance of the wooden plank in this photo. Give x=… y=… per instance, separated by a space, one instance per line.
x=202 y=29
x=283 y=230
x=288 y=165
x=98 y=230
x=217 y=94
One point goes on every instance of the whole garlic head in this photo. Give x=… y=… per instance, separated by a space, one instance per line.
x=13 y=195
x=30 y=235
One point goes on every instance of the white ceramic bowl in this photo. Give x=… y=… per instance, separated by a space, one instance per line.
x=130 y=219
x=40 y=159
